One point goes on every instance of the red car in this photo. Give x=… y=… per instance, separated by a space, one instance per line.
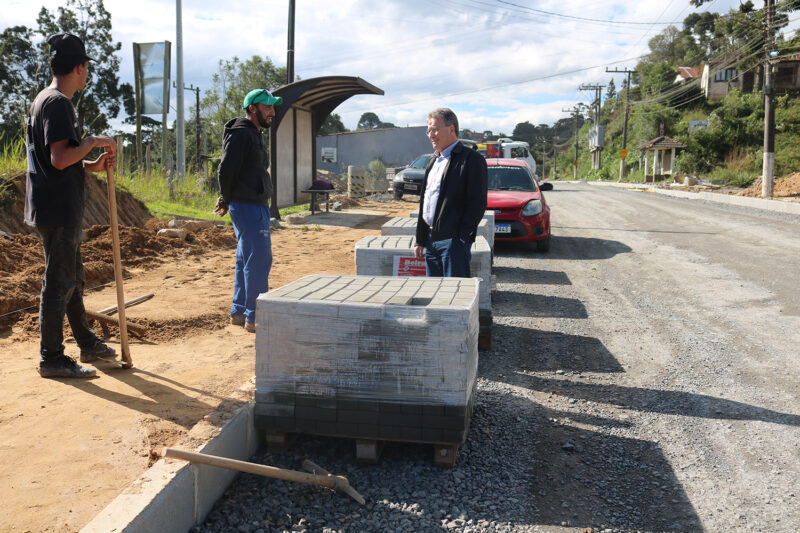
x=520 y=210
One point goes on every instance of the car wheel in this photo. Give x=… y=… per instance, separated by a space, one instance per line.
x=543 y=245
x=398 y=195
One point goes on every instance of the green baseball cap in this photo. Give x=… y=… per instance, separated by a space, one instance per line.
x=261 y=96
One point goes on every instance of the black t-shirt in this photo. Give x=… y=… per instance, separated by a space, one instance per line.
x=53 y=197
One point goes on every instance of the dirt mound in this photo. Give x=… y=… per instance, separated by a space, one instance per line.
x=786 y=187
x=22 y=259
x=130 y=211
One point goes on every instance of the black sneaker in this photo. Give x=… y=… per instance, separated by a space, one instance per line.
x=99 y=351
x=62 y=366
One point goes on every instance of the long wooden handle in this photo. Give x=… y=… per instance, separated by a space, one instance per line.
x=251 y=468
x=326 y=480
x=112 y=215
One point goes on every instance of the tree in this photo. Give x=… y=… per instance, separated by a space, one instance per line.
x=20 y=80
x=230 y=85
x=333 y=124
x=611 y=91
x=102 y=98
x=368 y=121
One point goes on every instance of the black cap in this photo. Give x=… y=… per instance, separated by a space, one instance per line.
x=66 y=44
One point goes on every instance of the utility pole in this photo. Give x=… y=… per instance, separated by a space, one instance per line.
x=555 y=143
x=575 y=115
x=598 y=148
x=290 y=47
x=768 y=169
x=624 y=152
x=180 y=141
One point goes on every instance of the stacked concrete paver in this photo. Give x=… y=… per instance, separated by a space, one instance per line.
x=368 y=357
x=375 y=257
x=408 y=226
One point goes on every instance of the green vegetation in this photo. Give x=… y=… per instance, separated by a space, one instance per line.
x=728 y=150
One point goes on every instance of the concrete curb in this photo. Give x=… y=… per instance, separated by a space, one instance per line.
x=779 y=206
x=173 y=495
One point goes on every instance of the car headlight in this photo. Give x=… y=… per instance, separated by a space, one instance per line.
x=534 y=207
x=398 y=177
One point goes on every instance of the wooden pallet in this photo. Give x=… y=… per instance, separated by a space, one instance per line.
x=368 y=450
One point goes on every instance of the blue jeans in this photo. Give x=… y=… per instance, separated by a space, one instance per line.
x=448 y=258
x=62 y=290
x=253 y=256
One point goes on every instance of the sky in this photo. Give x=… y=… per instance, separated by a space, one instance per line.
x=496 y=63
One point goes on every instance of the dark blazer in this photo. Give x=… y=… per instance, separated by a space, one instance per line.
x=462 y=198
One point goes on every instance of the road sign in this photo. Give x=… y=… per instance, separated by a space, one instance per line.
x=623 y=153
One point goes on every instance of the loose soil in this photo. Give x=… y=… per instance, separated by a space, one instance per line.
x=71 y=446
x=787 y=187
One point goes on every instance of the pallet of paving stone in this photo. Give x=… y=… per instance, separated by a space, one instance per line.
x=376 y=256
x=368 y=357
x=488 y=216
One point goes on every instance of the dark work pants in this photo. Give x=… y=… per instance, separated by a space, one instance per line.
x=62 y=290
x=448 y=258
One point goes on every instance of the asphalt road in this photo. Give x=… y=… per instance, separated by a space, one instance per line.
x=659 y=342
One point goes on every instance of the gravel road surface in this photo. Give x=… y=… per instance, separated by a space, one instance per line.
x=643 y=377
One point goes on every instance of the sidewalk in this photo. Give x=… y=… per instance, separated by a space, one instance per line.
x=775 y=205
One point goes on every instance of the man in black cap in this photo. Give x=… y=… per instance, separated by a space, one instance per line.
x=54 y=203
x=245 y=188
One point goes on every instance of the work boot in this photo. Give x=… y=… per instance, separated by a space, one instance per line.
x=61 y=366
x=99 y=351
x=237 y=320
x=250 y=326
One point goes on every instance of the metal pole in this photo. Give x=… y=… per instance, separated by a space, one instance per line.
x=197 y=129
x=290 y=47
x=138 y=88
x=164 y=110
x=180 y=141
x=768 y=169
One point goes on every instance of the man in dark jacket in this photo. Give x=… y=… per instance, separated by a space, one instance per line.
x=54 y=204
x=245 y=188
x=452 y=200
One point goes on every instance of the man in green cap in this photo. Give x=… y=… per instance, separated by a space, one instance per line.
x=245 y=188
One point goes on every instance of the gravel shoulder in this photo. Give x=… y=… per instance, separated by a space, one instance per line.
x=643 y=377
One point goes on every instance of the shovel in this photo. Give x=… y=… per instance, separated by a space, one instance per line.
x=127 y=362
x=323 y=479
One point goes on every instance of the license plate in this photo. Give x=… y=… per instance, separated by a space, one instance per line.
x=502 y=228
x=411 y=187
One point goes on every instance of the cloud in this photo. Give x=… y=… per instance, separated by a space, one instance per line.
x=496 y=63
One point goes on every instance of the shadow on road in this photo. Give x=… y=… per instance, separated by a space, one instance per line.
x=657 y=401
x=507 y=303
x=583 y=248
x=539 y=350
x=512 y=274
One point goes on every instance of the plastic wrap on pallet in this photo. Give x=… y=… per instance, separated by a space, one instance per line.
x=488 y=216
x=387 y=339
x=375 y=257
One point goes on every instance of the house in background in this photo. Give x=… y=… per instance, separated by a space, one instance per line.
x=688 y=74
x=719 y=76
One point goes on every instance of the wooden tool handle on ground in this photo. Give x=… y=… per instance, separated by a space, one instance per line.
x=112 y=215
x=329 y=481
x=100 y=317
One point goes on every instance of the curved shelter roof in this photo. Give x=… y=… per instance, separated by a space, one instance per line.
x=320 y=95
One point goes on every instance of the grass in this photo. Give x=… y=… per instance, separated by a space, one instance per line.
x=191 y=198
x=12 y=162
